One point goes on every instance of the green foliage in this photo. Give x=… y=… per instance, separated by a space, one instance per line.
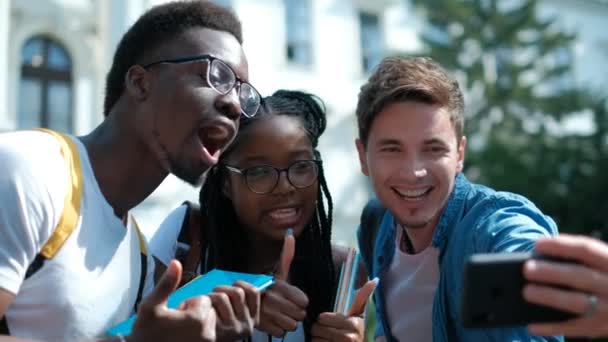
x=515 y=69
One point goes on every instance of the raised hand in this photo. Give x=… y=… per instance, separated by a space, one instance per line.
x=333 y=326
x=195 y=320
x=588 y=280
x=283 y=305
x=238 y=310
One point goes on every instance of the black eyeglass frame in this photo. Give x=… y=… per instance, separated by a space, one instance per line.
x=237 y=81
x=243 y=172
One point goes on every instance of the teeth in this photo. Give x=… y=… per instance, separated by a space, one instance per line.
x=282 y=213
x=412 y=193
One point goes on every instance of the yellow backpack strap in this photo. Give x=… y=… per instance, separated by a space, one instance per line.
x=142 y=240
x=71 y=208
x=144 y=263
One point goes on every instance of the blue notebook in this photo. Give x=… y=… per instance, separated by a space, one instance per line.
x=200 y=285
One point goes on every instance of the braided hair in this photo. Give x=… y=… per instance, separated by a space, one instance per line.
x=224 y=243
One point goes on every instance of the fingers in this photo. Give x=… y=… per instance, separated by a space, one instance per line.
x=336 y=327
x=272 y=329
x=199 y=310
x=289 y=249
x=569 y=301
x=165 y=286
x=290 y=292
x=286 y=299
x=338 y=321
x=357 y=308
x=252 y=299
x=227 y=311
x=579 y=327
x=589 y=251
x=567 y=275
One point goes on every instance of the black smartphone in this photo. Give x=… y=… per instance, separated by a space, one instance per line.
x=492 y=293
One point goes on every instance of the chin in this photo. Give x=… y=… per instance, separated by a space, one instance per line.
x=193 y=178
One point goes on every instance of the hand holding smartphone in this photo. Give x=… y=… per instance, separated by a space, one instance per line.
x=492 y=294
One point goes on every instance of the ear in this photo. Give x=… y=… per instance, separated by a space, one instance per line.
x=137 y=82
x=461 y=152
x=362 y=156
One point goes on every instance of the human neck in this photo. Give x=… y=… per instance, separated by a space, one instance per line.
x=420 y=237
x=125 y=170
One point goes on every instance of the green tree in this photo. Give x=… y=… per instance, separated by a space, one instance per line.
x=515 y=68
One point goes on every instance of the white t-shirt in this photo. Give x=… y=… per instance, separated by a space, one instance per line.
x=410 y=286
x=91 y=284
x=164 y=245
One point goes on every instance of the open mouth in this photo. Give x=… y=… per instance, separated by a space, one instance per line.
x=413 y=195
x=284 y=217
x=209 y=143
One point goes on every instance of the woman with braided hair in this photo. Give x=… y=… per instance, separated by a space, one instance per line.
x=266 y=208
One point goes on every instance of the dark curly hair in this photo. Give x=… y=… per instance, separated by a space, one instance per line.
x=226 y=248
x=157 y=26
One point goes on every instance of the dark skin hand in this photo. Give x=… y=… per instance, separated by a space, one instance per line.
x=283 y=305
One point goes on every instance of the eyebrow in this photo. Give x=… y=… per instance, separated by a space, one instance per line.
x=435 y=141
x=388 y=141
x=299 y=154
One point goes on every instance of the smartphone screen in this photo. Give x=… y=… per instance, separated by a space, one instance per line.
x=492 y=293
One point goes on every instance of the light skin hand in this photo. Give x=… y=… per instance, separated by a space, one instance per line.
x=283 y=305
x=589 y=277
x=237 y=308
x=331 y=326
x=194 y=320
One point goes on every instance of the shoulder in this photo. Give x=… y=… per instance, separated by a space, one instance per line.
x=34 y=177
x=163 y=239
x=33 y=186
x=23 y=149
x=510 y=222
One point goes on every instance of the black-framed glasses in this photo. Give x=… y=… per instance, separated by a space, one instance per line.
x=222 y=78
x=263 y=179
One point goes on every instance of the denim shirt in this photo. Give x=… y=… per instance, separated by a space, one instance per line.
x=476 y=219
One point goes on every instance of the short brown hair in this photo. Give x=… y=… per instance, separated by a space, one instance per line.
x=399 y=79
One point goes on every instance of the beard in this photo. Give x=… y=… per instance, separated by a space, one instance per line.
x=419 y=223
x=188 y=173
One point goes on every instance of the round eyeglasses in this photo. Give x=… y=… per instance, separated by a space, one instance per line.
x=222 y=79
x=263 y=179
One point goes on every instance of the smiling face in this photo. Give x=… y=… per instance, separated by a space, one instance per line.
x=191 y=122
x=279 y=141
x=412 y=158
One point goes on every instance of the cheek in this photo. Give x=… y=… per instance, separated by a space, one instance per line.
x=309 y=198
x=246 y=209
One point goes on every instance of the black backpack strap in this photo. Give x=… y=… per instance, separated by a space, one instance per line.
x=142 y=279
x=34 y=266
x=371 y=217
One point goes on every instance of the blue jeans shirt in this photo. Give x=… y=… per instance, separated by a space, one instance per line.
x=476 y=219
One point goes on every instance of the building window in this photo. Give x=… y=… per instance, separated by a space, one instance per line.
x=371 y=41
x=45 y=89
x=299 y=31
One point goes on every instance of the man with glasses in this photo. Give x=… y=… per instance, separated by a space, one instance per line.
x=72 y=263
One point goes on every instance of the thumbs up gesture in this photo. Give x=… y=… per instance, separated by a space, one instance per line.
x=283 y=305
x=195 y=320
x=331 y=326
